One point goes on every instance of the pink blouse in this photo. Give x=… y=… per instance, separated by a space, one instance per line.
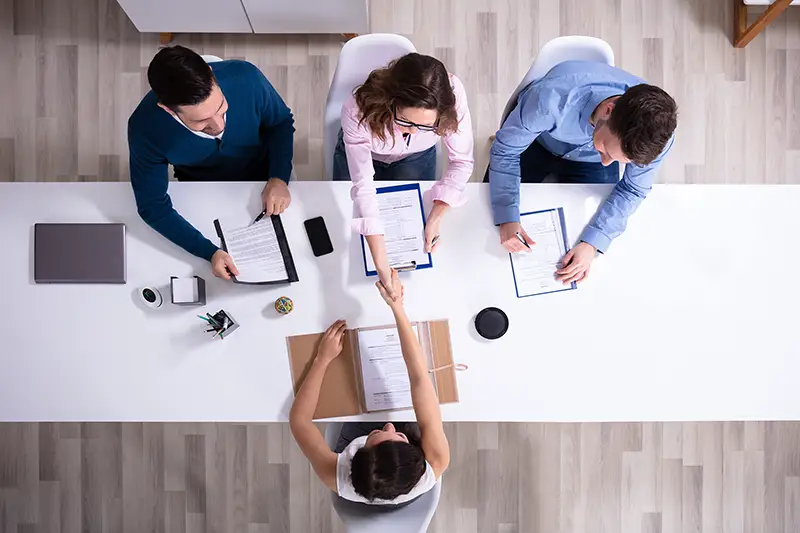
x=362 y=147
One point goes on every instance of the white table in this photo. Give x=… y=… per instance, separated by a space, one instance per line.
x=692 y=315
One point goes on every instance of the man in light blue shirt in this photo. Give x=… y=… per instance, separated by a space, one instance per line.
x=579 y=122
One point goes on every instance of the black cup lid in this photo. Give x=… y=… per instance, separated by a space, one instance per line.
x=491 y=323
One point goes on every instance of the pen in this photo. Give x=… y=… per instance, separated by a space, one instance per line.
x=204 y=318
x=434 y=241
x=213 y=321
x=260 y=216
x=523 y=241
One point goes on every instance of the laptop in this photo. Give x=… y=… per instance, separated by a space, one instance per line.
x=79 y=253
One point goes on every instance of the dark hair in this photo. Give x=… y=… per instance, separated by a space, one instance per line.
x=413 y=80
x=644 y=118
x=388 y=470
x=179 y=76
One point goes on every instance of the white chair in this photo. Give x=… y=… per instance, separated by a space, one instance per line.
x=413 y=518
x=359 y=56
x=558 y=50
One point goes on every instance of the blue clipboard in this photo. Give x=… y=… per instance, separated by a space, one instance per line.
x=395 y=188
x=573 y=285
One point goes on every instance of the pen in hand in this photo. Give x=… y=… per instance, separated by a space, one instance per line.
x=523 y=241
x=260 y=216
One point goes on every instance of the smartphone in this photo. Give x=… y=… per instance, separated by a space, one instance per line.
x=318 y=236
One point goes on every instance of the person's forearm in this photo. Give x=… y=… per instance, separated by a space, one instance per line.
x=612 y=216
x=519 y=131
x=162 y=217
x=280 y=147
x=423 y=395
x=176 y=229
x=377 y=248
x=412 y=351
x=504 y=193
x=438 y=211
x=305 y=403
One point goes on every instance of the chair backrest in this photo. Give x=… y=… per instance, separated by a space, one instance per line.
x=413 y=518
x=359 y=56
x=558 y=50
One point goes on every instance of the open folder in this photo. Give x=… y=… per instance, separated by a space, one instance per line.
x=260 y=251
x=535 y=271
x=370 y=373
x=403 y=221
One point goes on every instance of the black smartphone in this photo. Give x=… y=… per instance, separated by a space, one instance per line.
x=318 y=236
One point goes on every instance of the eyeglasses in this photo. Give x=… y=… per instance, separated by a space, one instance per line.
x=409 y=124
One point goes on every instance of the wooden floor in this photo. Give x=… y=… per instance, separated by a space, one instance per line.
x=549 y=478
x=74 y=70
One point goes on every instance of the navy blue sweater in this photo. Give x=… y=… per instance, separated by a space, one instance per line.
x=257 y=145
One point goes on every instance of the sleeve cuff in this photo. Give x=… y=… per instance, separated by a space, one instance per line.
x=367 y=226
x=597 y=239
x=282 y=173
x=207 y=250
x=452 y=196
x=503 y=215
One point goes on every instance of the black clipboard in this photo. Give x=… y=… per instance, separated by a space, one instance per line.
x=283 y=243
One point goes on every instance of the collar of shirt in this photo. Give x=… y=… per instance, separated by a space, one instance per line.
x=596 y=97
x=200 y=133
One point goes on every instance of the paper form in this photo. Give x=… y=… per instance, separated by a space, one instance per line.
x=534 y=271
x=404 y=230
x=255 y=252
x=383 y=370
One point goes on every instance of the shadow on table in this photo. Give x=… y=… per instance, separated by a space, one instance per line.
x=191 y=338
x=167 y=307
x=31 y=256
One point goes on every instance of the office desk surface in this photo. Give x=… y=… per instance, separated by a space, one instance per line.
x=692 y=315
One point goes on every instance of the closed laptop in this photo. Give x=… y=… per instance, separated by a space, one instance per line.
x=79 y=253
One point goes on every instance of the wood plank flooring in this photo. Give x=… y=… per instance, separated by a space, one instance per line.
x=732 y=477
x=73 y=72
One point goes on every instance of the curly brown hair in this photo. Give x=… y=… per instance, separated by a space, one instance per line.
x=414 y=80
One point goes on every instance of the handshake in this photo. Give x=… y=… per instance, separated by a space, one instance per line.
x=391 y=290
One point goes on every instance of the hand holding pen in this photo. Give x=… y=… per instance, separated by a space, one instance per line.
x=514 y=238
x=523 y=241
x=275 y=197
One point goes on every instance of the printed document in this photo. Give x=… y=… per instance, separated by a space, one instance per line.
x=383 y=370
x=535 y=271
x=256 y=252
x=404 y=230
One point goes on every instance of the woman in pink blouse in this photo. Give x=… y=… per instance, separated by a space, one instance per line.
x=390 y=127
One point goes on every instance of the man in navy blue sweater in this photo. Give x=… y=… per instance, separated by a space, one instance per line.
x=217 y=122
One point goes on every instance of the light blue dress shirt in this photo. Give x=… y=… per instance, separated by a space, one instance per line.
x=555 y=111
